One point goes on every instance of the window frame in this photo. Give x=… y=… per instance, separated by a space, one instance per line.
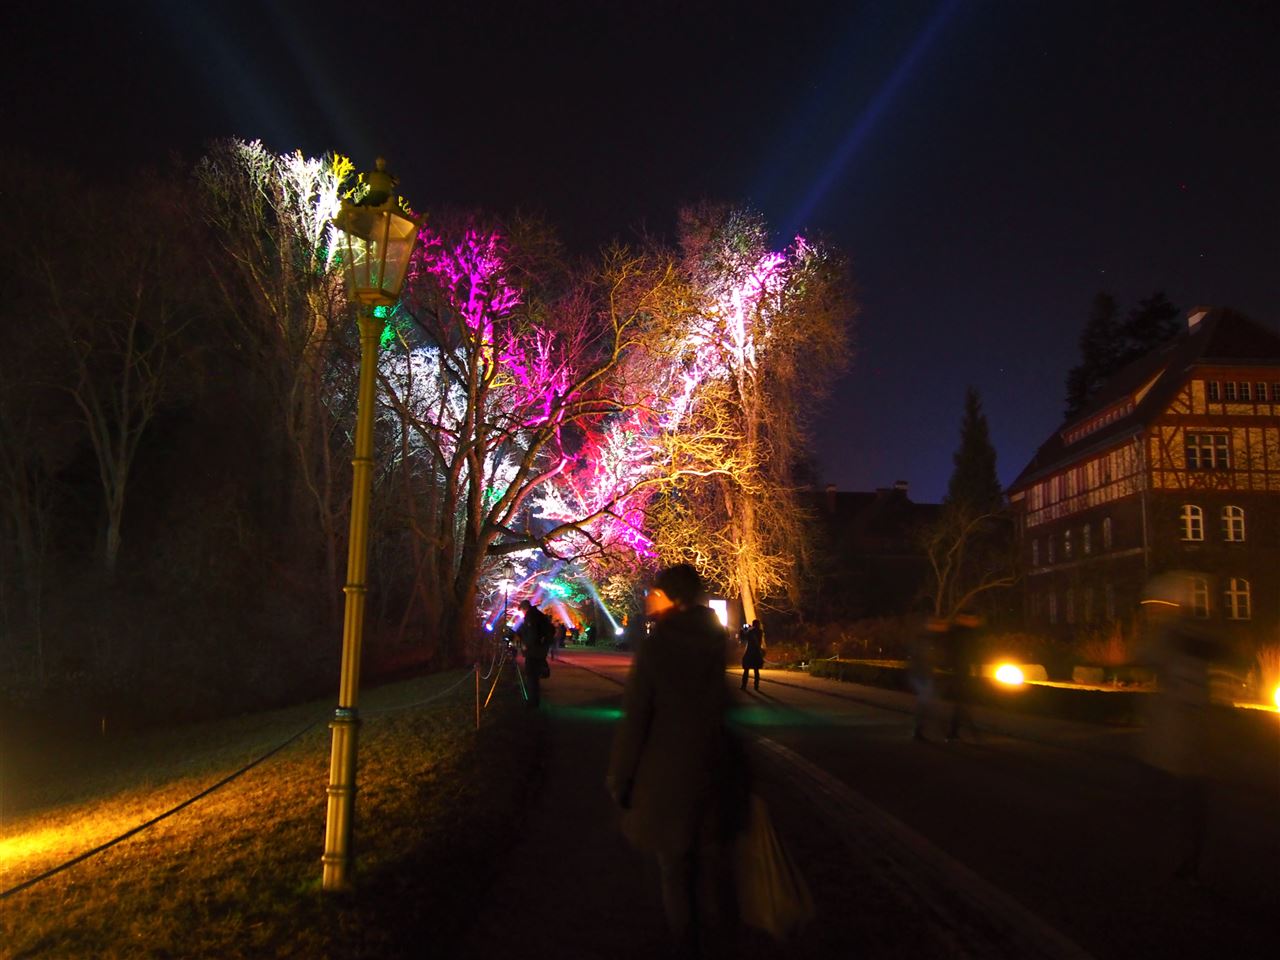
x=1237 y=595
x=1191 y=521
x=1212 y=391
x=1233 y=522
x=1198 y=595
x=1197 y=445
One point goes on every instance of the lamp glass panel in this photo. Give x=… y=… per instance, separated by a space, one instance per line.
x=401 y=234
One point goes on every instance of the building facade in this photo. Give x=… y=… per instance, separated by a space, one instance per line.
x=1175 y=465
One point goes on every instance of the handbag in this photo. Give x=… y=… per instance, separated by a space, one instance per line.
x=772 y=894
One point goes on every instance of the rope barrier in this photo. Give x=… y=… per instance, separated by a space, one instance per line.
x=418 y=703
x=80 y=858
x=154 y=820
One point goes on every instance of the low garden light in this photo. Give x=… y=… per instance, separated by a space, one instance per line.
x=1010 y=675
x=1276 y=696
x=376 y=239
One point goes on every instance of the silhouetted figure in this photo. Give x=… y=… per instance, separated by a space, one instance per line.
x=536 y=633
x=920 y=672
x=753 y=657
x=672 y=769
x=1181 y=651
x=557 y=639
x=962 y=652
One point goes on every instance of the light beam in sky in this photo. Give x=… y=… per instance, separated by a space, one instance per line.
x=865 y=122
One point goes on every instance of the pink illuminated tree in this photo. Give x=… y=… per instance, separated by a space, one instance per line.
x=505 y=401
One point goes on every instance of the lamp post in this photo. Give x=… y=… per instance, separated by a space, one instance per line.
x=376 y=240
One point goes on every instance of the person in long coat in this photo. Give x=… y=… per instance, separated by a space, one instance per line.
x=673 y=769
x=753 y=657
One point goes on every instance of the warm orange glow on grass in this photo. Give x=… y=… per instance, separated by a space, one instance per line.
x=30 y=844
x=41 y=847
x=1010 y=675
x=1276 y=696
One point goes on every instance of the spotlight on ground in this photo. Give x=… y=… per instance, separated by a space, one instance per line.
x=1008 y=674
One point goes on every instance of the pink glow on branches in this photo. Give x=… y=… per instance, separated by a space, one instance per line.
x=472 y=275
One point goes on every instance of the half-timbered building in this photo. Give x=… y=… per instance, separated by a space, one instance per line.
x=1174 y=465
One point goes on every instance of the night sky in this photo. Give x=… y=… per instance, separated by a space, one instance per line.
x=987 y=166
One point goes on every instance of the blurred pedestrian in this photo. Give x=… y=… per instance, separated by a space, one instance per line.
x=673 y=769
x=920 y=672
x=536 y=633
x=1181 y=651
x=557 y=638
x=753 y=657
x=962 y=651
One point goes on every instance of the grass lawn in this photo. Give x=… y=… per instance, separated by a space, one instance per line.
x=237 y=874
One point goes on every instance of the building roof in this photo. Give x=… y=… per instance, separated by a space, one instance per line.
x=1141 y=391
x=866 y=519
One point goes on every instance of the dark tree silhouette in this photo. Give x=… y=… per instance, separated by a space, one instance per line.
x=969 y=545
x=1108 y=344
x=973 y=481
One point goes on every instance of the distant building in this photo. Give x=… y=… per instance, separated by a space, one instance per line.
x=1174 y=465
x=870 y=562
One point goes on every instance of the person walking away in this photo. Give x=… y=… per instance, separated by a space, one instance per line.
x=920 y=672
x=753 y=657
x=1181 y=651
x=557 y=641
x=535 y=632
x=673 y=770
x=962 y=645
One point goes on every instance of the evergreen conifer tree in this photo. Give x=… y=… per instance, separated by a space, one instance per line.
x=974 y=483
x=1108 y=344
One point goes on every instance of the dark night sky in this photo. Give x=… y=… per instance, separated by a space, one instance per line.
x=988 y=166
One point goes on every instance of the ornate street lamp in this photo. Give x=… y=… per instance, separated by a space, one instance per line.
x=376 y=240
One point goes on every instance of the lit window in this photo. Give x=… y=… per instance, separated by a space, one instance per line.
x=1106 y=533
x=1233 y=524
x=1244 y=390
x=1238 y=607
x=1066 y=544
x=1086 y=539
x=1212 y=386
x=1192 y=522
x=1199 y=597
x=1229 y=390
x=1207 y=451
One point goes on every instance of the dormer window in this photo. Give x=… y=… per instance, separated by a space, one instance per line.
x=1212 y=391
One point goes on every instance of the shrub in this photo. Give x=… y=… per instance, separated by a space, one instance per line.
x=1106 y=647
x=1267 y=671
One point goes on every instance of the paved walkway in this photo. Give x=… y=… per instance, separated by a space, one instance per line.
x=574 y=889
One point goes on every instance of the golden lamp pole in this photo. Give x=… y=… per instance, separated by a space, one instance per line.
x=376 y=239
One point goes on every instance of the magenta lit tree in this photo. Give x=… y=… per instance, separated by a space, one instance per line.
x=501 y=405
